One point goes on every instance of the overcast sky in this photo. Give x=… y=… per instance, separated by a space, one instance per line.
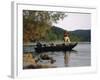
x=75 y=21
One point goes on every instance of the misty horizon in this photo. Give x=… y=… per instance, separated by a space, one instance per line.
x=75 y=21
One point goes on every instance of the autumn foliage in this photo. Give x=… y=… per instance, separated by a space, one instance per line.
x=36 y=24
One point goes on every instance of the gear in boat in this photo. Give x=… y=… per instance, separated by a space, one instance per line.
x=57 y=47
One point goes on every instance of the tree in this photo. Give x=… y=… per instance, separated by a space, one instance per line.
x=36 y=24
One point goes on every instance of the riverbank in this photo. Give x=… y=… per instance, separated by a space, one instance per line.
x=31 y=62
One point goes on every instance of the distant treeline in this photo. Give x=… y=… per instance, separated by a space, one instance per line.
x=56 y=33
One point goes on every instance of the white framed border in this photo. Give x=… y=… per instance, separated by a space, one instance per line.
x=17 y=41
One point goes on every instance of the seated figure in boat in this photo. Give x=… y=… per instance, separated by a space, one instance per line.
x=51 y=44
x=39 y=44
x=66 y=37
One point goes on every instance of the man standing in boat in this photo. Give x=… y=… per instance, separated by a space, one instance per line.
x=66 y=37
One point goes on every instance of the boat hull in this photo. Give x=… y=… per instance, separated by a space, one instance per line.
x=59 y=47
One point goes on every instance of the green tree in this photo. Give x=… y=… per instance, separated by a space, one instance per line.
x=36 y=24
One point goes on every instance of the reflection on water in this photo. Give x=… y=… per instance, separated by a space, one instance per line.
x=81 y=56
x=66 y=58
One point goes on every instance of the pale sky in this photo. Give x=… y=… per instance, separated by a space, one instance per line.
x=75 y=21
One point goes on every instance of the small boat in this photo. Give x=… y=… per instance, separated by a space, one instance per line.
x=58 y=47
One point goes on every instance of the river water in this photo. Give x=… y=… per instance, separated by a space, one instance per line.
x=80 y=56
